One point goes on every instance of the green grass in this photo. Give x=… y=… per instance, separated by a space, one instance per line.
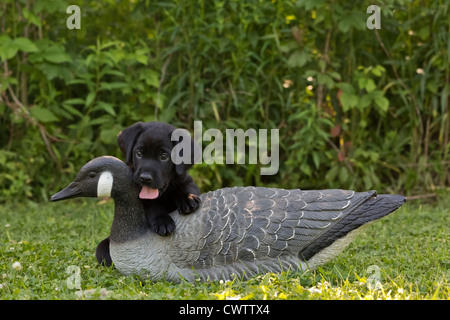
x=408 y=252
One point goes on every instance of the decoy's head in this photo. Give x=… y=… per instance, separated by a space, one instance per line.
x=101 y=177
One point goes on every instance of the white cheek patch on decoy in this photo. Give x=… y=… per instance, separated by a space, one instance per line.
x=105 y=183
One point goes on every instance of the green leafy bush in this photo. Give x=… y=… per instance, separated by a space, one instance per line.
x=356 y=108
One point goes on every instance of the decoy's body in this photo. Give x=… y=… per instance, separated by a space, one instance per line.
x=240 y=230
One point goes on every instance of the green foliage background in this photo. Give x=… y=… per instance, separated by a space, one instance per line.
x=356 y=108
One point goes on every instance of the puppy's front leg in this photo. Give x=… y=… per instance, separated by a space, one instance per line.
x=187 y=194
x=188 y=203
x=158 y=218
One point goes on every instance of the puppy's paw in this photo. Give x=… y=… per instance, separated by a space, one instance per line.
x=188 y=204
x=162 y=225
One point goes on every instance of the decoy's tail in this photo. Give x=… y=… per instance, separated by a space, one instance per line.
x=374 y=208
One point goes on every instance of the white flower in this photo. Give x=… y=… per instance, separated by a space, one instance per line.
x=287 y=83
x=315 y=290
x=17 y=266
x=420 y=71
x=238 y=297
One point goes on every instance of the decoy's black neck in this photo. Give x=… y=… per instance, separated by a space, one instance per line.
x=129 y=218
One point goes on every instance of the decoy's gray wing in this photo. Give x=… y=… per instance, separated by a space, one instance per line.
x=246 y=230
x=253 y=223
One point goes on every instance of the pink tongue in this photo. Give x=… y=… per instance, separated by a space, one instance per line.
x=148 y=193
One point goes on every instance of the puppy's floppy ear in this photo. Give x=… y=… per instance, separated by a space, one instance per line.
x=183 y=143
x=127 y=139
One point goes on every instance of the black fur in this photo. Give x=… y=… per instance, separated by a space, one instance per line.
x=147 y=149
x=102 y=253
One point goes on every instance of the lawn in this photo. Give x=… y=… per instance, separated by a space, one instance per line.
x=47 y=251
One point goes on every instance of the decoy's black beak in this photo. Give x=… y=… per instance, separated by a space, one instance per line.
x=71 y=191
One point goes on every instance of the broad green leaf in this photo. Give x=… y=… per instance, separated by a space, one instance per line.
x=345 y=87
x=367 y=83
x=378 y=70
x=109 y=44
x=49 y=51
x=364 y=101
x=298 y=59
x=25 y=44
x=8 y=52
x=31 y=17
x=370 y=85
x=306 y=169
x=5 y=40
x=106 y=107
x=74 y=101
x=343 y=175
x=152 y=78
x=367 y=182
x=142 y=58
x=374 y=156
x=344 y=25
x=382 y=104
x=332 y=173
x=348 y=100
x=7 y=49
x=43 y=115
x=109 y=136
x=113 y=85
x=316 y=159
x=335 y=75
x=57 y=57
x=324 y=79
x=362 y=82
x=52 y=71
x=71 y=109
x=90 y=97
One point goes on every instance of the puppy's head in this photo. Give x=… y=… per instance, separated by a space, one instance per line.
x=147 y=150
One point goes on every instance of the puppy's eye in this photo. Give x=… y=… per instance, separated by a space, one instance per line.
x=139 y=154
x=164 y=156
x=92 y=174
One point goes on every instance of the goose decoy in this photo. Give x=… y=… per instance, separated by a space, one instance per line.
x=241 y=230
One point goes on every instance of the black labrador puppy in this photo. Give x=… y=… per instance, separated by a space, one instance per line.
x=165 y=186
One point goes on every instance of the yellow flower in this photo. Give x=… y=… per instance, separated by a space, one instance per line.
x=282 y=296
x=290 y=17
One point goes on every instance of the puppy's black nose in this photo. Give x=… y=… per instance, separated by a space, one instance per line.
x=145 y=178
